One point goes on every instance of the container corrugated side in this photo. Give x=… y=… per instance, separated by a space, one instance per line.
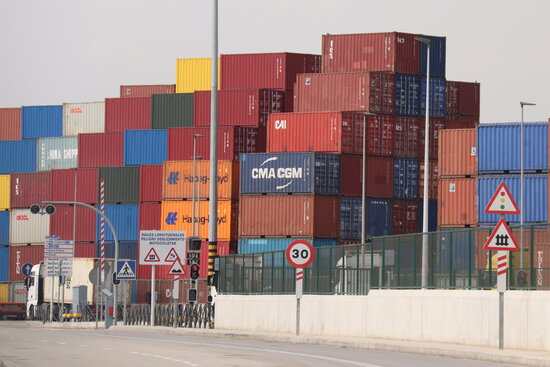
x=379 y=177
x=259 y=245
x=21 y=255
x=10 y=123
x=145 y=147
x=461 y=122
x=61 y=223
x=469 y=98
x=407 y=95
x=499 y=147
x=172 y=110
x=436 y=125
x=4 y=228
x=350 y=218
x=5 y=190
x=30 y=188
x=57 y=153
x=126 y=250
x=406 y=137
x=432 y=180
x=438 y=50
x=17 y=156
x=27 y=228
x=379 y=219
x=125 y=220
x=457 y=204
x=100 y=150
x=127 y=114
x=195 y=74
x=41 y=121
x=4 y=267
x=404 y=216
x=63 y=185
x=437 y=97
x=457 y=152
x=350 y=175
x=129 y=91
x=150 y=183
x=121 y=184
x=83 y=117
x=5 y=288
x=405 y=178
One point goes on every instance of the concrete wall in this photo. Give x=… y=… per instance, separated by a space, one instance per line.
x=461 y=317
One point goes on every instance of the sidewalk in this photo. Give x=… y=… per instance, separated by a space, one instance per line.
x=517 y=357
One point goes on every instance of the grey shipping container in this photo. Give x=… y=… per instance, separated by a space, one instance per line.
x=57 y=153
x=86 y=117
x=172 y=110
x=121 y=184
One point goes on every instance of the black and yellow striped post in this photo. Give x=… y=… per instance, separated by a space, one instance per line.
x=212 y=254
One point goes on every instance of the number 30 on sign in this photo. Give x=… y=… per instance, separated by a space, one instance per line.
x=299 y=253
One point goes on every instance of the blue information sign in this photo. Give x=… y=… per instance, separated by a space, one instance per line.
x=126 y=269
x=26 y=269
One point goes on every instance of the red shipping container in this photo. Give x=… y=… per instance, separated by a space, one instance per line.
x=248 y=107
x=350 y=175
x=10 y=123
x=469 y=98
x=378 y=174
x=232 y=141
x=150 y=185
x=85 y=250
x=63 y=181
x=395 y=52
x=405 y=217
x=130 y=91
x=461 y=122
x=61 y=223
x=372 y=92
x=30 y=188
x=268 y=70
x=458 y=152
x=127 y=114
x=433 y=180
x=457 y=202
x=452 y=98
x=289 y=216
x=435 y=126
x=100 y=150
x=20 y=255
x=379 y=135
x=405 y=137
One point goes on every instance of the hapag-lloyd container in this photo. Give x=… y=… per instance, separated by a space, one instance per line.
x=4 y=266
x=306 y=173
x=63 y=185
x=84 y=117
x=364 y=91
x=406 y=136
x=244 y=107
x=379 y=219
x=127 y=114
x=535 y=207
x=27 y=228
x=150 y=184
x=56 y=153
x=145 y=147
x=289 y=216
x=5 y=189
x=405 y=178
x=404 y=216
x=177 y=216
x=435 y=126
x=437 y=97
x=4 y=228
x=30 y=188
x=457 y=202
x=259 y=245
x=41 y=121
x=10 y=123
x=432 y=181
x=125 y=220
x=178 y=180
x=130 y=91
x=121 y=184
x=407 y=95
x=100 y=150
x=268 y=70
x=61 y=223
x=394 y=52
x=438 y=57
x=21 y=255
x=194 y=74
x=17 y=156
x=232 y=141
x=498 y=147
x=172 y=110
x=457 y=152
x=432 y=216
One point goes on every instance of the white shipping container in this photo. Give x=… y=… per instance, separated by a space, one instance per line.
x=18 y=292
x=26 y=227
x=57 y=153
x=85 y=117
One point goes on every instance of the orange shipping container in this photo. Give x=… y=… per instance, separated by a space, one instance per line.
x=457 y=152
x=457 y=202
x=178 y=215
x=177 y=181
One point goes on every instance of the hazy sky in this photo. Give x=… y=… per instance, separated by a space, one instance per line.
x=59 y=51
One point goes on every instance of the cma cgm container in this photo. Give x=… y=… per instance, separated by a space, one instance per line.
x=4 y=228
x=269 y=70
x=244 y=107
x=379 y=217
x=499 y=147
x=63 y=185
x=232 y=141
x=27 y=228
x=258 y=245
x=404 y=216
x=178 y=180
x=394 y=52
x=125 y=220
x=4 y=265
x=437 y=97
x=41 y=121
x=17 y=156
x=407 y=95
x=84 y=117
x=177 y=216
x=5 y=189
x=194 y=74
x=145 y=147
x=462 y=98
x=432 y=180
x=438 y=50
x=365 y=91
x=21 y=255
x=150 y=183
x=127 y=114
x=307 y=173
x=172 y=110
x=56 y=153
x=129 y=91
x=457 y=152
x=406 y=136
x=10 y=123
x=457 y=202
x=535 y=207
x=100 y=150
x=289 y=216
x=30 y=188
x=405 y=178
x=61 y=223
x=121 y=184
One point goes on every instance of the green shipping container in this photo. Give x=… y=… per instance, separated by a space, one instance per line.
x=121 y=184
x=172 y=110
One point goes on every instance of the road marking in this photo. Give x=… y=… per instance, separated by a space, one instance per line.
x=62 y=343
x=165 y=358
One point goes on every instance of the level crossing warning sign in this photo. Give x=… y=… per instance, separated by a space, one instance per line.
x=501 y=239
x=502 y=202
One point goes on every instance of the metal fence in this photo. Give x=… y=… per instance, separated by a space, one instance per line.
x=456 y=260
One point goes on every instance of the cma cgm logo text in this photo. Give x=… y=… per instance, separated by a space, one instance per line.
x=172 y=218
x=280 y=124
x=281 y=172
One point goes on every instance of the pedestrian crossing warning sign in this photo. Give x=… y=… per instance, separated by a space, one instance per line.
x=152 y=256
x=502 y=202
x=501 y=239
x=126 y=269
x=172 y=256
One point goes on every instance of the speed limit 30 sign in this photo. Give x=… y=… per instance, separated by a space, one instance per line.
x=299 y=253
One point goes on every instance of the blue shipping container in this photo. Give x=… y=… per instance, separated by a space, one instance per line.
x=4 y=228
x=437 y=97
x=4 y=263
x=41 y=121
x=17 y=156
x=125 y=220
x=379 y=217
x=145 y=147
x=535 y=207
x=350 y=218
x=407 y=95
x=257 y=245
x=438 y=50
x=499 y=150
x=315 y=173
x=432 y=216
x=405 y=178
x=126 y=250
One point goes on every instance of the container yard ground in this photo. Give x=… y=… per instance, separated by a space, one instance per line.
x=506 y=356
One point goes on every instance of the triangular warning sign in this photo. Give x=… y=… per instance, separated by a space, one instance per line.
x=172 y=256
x=501 y=239
x=126 y=271
x=152 y=256
x=502 y=202
x=176 y=268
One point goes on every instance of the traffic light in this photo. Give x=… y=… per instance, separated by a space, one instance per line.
x=192 y=295
x=194 y=271
x=36 y=209
x=522 y=278
x=194 y=244
x=116 y=281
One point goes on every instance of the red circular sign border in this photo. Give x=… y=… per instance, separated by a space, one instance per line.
x=305 y=265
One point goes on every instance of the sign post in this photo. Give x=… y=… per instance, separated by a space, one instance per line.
x=299 y=254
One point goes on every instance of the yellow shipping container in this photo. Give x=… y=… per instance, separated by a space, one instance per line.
x=178 y=180
x=4 y=293
x=177 y=216
x=4 y=192
x=194 y=74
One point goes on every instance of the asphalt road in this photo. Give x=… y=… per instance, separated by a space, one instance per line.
x=24 y=346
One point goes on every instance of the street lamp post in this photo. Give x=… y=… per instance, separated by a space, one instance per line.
x=363 y=177
x=195 y=136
